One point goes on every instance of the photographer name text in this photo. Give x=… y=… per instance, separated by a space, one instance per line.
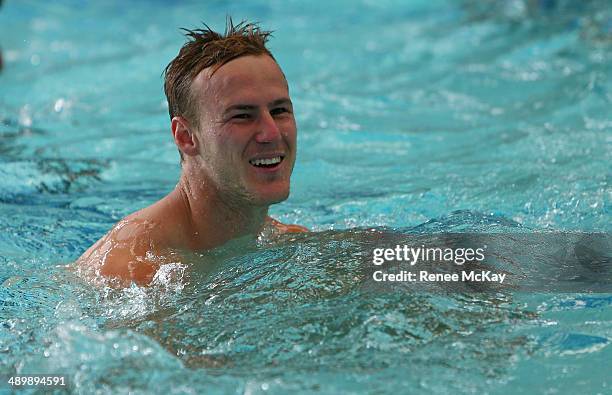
x=425 y=276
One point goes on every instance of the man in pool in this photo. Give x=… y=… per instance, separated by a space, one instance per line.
x=232 y=122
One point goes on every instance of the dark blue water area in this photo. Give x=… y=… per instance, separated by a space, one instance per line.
x=593 y=302
x=573 y=342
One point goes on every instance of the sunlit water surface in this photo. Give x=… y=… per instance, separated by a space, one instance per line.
x=435 y=116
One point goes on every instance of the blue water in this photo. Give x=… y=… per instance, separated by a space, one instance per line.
x=419 y=117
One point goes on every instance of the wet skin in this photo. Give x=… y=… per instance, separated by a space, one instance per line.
x=238 y=160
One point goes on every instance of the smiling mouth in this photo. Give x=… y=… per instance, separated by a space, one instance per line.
x=267 y=162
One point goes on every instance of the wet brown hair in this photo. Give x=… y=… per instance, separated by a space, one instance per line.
x=207 y=48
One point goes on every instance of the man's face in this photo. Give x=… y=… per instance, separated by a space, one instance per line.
x=247 y=133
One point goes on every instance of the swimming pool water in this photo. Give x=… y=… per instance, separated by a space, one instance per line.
x=419 y=117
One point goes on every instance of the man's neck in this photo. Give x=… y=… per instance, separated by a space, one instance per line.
x=209 y=219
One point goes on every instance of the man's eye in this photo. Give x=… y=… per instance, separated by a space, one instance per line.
x=241 y=116
x=279 y=110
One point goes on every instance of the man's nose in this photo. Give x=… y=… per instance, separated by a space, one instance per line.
x=268 y=129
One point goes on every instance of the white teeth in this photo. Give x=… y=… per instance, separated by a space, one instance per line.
x=261 y=162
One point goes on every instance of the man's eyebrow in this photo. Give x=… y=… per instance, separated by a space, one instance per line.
x=283 y=100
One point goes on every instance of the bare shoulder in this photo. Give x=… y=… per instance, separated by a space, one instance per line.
x=287 y=228
x=127 y=252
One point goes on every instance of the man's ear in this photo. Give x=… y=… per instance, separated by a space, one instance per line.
x=184 y=136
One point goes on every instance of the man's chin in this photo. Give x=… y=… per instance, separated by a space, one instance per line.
x=269 y=197
x=269 y=200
